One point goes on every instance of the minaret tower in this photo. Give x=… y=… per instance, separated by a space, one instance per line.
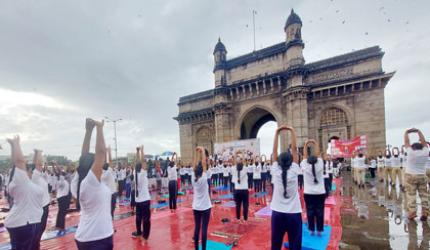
x=220 y=58
x=296 y=93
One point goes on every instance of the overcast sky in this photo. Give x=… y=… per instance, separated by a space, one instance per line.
x=62 y=61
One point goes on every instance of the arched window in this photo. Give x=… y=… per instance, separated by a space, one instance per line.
x=333 y=117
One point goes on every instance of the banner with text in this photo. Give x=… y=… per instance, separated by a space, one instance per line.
x=346 y=148
x=226 y=150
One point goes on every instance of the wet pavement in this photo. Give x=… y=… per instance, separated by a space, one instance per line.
x=375 y=218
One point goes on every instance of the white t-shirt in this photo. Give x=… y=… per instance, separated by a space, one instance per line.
x=251 y=168
x=417 y=161
x=263 y=168
x=63 y=187
x=256 y=174
x=122 y=174
x=279 y=203
x=225 y=171
x=396 y=162
x=172 y=173
x=243 y=185
x=373 y=163
x=201 y=199
x=381 y=162
x=38 y=178
x=27 y=201
x=209 y=173
x=428 y=163
x=109 y=180
x=310 y=187
x=388 y=162
x=95 y=199
x=142 y=186
x=182 y=171
x=360 y=162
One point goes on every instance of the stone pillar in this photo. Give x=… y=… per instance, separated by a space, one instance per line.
x=297 y=112
x=222 y=123
x=186 y=142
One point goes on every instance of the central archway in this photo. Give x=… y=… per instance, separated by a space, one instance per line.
x=253 y=121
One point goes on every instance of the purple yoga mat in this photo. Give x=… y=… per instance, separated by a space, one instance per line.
x=266 y=211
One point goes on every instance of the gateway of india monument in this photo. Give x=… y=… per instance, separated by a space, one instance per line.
x=340 y=97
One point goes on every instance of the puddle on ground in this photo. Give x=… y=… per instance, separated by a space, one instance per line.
x=375 y=218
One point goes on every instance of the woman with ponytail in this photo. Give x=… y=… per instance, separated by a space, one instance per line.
x=143 y=198
x=95 y=228
x=285 y=205
x=201 y=201
x=241 y=193
x=314 y=191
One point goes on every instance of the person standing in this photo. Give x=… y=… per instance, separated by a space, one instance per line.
x=388 y=168
x=24 y=218
x=201 y=201
x=225 y=175
x=108 y=179
x=39 y=179
x=380 y=162
x=396 y=168
x=256 y=175
x=360 y=165
x=241 y=193
x=63 y=200
x=314 y=191
x=143 y=198
x=372 y=167
x=122 y=175
x=285 y=205
x=250 y=171
x=172 y=175
x=95 y=228
x=263 y=173
x=415 y=174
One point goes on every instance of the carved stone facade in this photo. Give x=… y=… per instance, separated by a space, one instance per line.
x=339 y=97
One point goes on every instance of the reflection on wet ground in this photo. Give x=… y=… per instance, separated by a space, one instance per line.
x=375 y=218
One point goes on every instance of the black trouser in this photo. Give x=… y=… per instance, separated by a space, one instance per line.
x=327 y=186
x=63 y=205
x=113 y=204
x=133 y=199
x=250 y=180
x=231 y=184
x=201 y=220
x=182 y=180
x=301 y=181
x=257 y=185
x=315 y=211
x=103 y=244
x=24 y=237
x=372 y=172
x=173 y=192
x=43 y=222
x=225 y=181
x=241 y=197
x=143 y=214
x=289 y=223
x=263 y=181
x=220 y=179
x=121 y=184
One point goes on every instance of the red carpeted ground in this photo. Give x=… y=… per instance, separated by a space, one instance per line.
x=174 y=231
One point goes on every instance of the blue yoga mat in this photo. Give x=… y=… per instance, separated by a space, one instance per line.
x=222 y=188
x=164 y=204
x=314 y=242
x=213 y=245
x=226 y=196
x=260 y=194
x=229 y=204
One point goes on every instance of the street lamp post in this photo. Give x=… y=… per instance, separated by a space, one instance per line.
x=114 y=121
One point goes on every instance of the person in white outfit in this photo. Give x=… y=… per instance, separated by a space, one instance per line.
x=95 y=228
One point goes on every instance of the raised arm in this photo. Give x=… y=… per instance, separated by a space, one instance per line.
x=100 y=156
x=294 y=145
x=89 y=126
x=421 y=138
x=406 y=138
x=17 y=156
x=175 y=158
x=316 y=147
x=38 y=159
x=142 y=156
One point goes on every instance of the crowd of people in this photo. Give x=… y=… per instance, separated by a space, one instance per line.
x=97 y=185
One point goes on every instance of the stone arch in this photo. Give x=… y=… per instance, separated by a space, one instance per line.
x=204 y=138
x=252 y=119
x=333 y=122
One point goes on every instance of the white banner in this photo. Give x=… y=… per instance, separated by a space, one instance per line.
x=226 y=150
